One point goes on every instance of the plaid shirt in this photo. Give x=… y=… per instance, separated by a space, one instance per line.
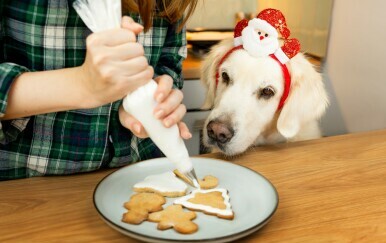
x=48 y=34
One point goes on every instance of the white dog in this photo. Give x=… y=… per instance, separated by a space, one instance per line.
x=245 y=101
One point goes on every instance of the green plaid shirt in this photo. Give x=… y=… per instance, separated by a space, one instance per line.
x=48 y=34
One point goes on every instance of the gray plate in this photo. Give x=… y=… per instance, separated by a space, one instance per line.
x=254 y=200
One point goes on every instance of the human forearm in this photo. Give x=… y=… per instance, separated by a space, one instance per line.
x=34 y=93
x=113 y=67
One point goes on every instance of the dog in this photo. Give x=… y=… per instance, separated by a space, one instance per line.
x=245 y=101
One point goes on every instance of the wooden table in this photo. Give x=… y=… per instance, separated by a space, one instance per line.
x=331 y=190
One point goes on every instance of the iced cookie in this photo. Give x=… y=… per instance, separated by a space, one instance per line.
x=175 y=217
x=165 y=184
x=213 y=202
x=208 y=182
x=140 y=205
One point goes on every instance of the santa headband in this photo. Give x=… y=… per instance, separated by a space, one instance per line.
x=268 y=23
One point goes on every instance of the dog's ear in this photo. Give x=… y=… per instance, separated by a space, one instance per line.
x=307 y=99
x=209 y=68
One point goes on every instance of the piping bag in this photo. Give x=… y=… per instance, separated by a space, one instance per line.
x=101 y=15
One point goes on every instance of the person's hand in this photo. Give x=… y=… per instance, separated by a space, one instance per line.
x=115 y=64
x=169 y=110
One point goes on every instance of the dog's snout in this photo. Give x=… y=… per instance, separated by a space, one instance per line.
x=220 y=132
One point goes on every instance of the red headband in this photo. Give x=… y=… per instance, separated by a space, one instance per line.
x=286 y=74
x=223 y=59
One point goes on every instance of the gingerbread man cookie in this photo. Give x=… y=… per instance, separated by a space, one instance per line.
x=140 y=205
x=175 y=217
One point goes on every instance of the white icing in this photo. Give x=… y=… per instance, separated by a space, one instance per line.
x=140 y=103
x=102 y=15
x=196 y=184
x=99 y=15
x=165 y=182
x=226 y=212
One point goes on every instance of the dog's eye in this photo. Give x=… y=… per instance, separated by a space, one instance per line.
x=225 y=78
x=259 y=33
x=266 y=35
x=267 y=92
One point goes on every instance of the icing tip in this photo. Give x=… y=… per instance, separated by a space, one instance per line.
x=191 y=175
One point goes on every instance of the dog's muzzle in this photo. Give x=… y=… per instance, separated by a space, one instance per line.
x=220 y=132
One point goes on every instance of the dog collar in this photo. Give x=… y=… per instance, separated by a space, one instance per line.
x=286 y=74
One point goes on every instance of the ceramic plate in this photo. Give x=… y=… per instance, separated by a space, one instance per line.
x=254 y=200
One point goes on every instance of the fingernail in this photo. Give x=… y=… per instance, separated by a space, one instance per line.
x=167 y=122
x=140 y=26
x=128 y=19
x=126 y=22
x=159 y=114
x=188 y=135
x=160 y=97
x=137 y=128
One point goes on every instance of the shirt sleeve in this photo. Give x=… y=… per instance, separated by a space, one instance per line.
x=1 y=32
x=173 y=54
x=9 y=130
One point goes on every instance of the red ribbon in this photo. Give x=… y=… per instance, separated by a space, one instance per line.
x=287 y=81
x=223 y=59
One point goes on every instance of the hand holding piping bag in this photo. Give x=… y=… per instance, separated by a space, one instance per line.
x=159 y=108
x=169 y=108
x=114 y=65
x=109 y=43
x=141 y=102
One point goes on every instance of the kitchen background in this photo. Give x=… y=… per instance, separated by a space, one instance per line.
x=309 y=20
x=344 y=39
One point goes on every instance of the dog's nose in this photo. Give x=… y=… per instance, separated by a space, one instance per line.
x=219 y=131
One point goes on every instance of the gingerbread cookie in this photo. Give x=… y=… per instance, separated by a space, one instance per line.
x=175 y=217
x=213 y=202
x=165 y=184
x=140 y=205
x=208 y=182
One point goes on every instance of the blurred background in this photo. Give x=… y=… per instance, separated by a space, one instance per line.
x=309 y=20
x=342 y=38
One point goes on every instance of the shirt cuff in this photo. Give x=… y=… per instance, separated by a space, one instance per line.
x=9 y=130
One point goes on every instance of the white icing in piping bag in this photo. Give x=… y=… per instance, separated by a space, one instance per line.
x=101 y=15
x=141 y=104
